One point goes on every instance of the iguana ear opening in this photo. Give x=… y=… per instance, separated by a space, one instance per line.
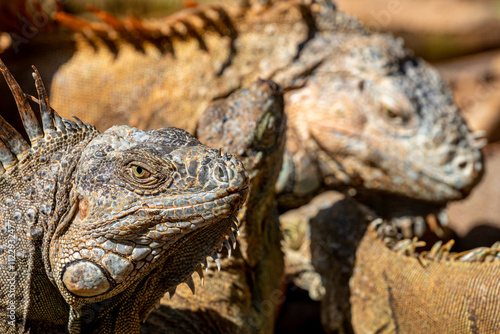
x=83 y=208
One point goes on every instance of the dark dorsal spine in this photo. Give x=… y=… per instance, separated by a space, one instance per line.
x=12 y=144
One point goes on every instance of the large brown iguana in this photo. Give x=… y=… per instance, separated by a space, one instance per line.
x=91 y=221
x=382 y=119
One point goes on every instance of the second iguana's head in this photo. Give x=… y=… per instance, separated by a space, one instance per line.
x=382 y=120
x=136 y=195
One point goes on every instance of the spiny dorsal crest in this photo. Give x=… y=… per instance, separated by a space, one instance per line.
x=13 y=147
x=438 y=252
x=190 y=23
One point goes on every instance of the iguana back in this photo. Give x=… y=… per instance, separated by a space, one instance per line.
x=396 y=289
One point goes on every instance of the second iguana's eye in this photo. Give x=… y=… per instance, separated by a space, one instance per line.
x=398 y=111
x=140 y=172
x=390 y=113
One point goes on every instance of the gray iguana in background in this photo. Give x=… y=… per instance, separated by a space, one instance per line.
x=97 y=227
x=362 y=111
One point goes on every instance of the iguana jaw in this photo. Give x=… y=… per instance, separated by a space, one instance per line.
x=403 y=180
x=106 y=265
x=197 y=210
x=447 y=173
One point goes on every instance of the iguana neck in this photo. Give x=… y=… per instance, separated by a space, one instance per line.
x=65 y=161
x=38 y=198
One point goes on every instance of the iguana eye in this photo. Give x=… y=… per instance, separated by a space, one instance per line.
x=395 y=103
x=397 y=112
x=390 y=113
x=140 y=172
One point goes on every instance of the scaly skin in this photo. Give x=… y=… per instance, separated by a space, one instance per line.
x=245 y=295
x=446 y=292
x=90 y=221
x=380 y=280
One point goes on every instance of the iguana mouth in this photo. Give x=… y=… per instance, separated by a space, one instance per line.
x=454 y=167
x=197 y=212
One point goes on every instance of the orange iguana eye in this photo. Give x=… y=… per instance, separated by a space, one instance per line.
x=140 y=172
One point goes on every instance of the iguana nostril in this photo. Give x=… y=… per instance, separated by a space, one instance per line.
x=221 y=174
x=461 y=163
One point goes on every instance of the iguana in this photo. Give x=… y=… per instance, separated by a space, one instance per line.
x=362 y=110
x=91 y=221
x=245 y=296
x=446 y=292
x=367 y=92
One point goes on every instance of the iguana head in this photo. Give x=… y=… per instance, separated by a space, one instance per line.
x=250 y=123
x=135 y=195
x=381 y=120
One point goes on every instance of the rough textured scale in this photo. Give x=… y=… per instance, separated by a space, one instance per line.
x=90 y=221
